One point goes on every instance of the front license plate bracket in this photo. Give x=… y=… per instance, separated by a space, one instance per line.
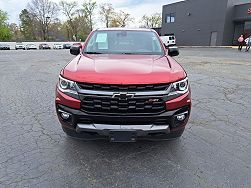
x=123 y=136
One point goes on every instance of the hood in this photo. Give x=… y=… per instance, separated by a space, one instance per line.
x=123 y=69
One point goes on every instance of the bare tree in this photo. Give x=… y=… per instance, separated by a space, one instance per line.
x=106 y=13
x=45 y=12
x=16 y=32
x=121 y=19
x=88 y=9
x=69 y=9
x=151 y=21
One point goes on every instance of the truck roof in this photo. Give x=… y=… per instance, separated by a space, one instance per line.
x=123 y=29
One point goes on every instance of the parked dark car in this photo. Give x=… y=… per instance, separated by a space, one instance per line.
x=66 y=46
x=44 y=46
x=123 y=86
x=4 y=47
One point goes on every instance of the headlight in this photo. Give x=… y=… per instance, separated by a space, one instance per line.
x=68 y=87
x=179 y=88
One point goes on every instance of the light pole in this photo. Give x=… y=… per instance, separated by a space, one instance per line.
x=46 y=21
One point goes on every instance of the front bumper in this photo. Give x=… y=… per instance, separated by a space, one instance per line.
x=131 y=132
x=148 y=127
x=88 y=126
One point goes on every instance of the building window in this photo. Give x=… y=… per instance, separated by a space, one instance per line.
x=170 y=18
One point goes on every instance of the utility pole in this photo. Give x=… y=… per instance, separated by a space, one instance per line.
x=47 y=30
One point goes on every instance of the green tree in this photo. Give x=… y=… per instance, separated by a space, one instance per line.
x=27 y=25
x=84 y=28
x=5 y=33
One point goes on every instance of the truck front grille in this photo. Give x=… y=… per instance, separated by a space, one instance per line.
x=110 y=105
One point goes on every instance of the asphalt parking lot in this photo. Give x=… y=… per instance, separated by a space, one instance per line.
x=214 y=151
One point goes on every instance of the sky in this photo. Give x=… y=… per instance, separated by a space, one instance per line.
x=137 y=8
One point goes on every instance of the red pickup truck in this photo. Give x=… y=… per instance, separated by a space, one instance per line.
x=123 y=85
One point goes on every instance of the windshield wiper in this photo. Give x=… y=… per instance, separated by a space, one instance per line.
x=128 y=53
x=93 y=52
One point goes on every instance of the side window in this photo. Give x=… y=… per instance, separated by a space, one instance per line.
x=170 y=18
x=167 y=18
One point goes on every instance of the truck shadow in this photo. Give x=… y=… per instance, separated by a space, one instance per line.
x=100 y=151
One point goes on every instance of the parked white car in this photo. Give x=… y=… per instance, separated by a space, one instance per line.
x=19 y=45
x=58 y=46
x=168 y=40
x=31 y=47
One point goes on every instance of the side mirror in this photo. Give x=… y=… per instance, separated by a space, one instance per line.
x=75 y=50
x=173 y=51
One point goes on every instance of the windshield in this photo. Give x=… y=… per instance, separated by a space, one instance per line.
x=124 y=42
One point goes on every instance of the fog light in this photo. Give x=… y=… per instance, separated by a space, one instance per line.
x=65 y=116
x=181 y=117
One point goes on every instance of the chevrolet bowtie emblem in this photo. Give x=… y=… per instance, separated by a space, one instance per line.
x=123 y=96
